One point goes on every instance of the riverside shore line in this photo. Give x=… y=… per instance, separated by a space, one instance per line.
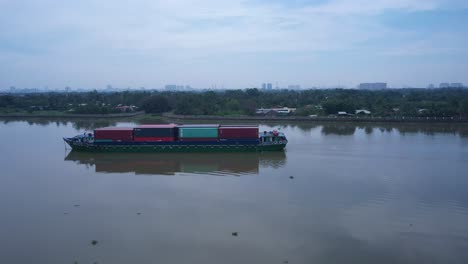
x=252 y=118
x=25 y=115
x=323 y=119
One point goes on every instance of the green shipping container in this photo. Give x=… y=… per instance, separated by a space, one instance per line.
x=198 y=132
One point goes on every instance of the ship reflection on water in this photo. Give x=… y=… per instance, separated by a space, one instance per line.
x=235 y=164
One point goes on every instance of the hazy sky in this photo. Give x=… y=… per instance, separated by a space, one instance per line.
x=235 y=43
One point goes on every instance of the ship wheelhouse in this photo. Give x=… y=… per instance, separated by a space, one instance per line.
x=272 y=137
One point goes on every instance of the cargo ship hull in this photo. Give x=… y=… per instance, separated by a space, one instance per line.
x=175 y=146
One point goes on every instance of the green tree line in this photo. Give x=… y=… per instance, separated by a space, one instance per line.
x=392 y=102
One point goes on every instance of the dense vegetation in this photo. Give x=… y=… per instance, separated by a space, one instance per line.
x=392 y=102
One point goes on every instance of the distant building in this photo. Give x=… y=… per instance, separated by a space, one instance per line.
x=451 y=85
x=430 y=86
x=126 y=108
x=294 y=87
x=275 y=111
x=267 y=86
x=362 y=112
x=176 y=87
x=171 y=87
x=343 y=113
x=373 y=86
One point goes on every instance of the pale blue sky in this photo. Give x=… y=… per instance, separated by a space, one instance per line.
x=235 y=44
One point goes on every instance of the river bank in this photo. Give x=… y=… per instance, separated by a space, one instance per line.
x=323 y=119
x=142 y=116
x=64 y=115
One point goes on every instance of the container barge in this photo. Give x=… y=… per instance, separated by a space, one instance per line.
x=178 y=138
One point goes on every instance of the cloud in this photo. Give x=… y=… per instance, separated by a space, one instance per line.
x=213 y=26
x=365 y=7
x=148 y=33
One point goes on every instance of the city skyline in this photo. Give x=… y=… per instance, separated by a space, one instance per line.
x=187 y=87
x=232 y=44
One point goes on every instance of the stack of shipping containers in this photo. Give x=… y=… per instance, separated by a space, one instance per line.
x=155 y=133
x=242 y=134
x=192 y=133
x=185 y=133
x=113 y=134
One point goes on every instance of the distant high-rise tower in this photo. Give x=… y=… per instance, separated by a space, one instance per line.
x=264 y=86
x=269 y=86
x=373 y=86
x=294 y=87
x=170 y=87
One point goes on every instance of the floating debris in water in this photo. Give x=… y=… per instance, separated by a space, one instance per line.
x=76 y=205
x=94 y=242
x=291 y=177
x=65 y=213
x=234 y=233
x=285 y=262
x=138 y=213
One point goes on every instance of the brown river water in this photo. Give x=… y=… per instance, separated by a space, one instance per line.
x=339 y=193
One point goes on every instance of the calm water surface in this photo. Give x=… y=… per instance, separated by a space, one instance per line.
x=369 y=194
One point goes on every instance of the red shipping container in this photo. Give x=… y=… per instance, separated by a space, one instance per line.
x=153 y=139
x=233 y=132
x=114 y=133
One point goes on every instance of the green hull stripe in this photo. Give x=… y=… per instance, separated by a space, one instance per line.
x=178 y=148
